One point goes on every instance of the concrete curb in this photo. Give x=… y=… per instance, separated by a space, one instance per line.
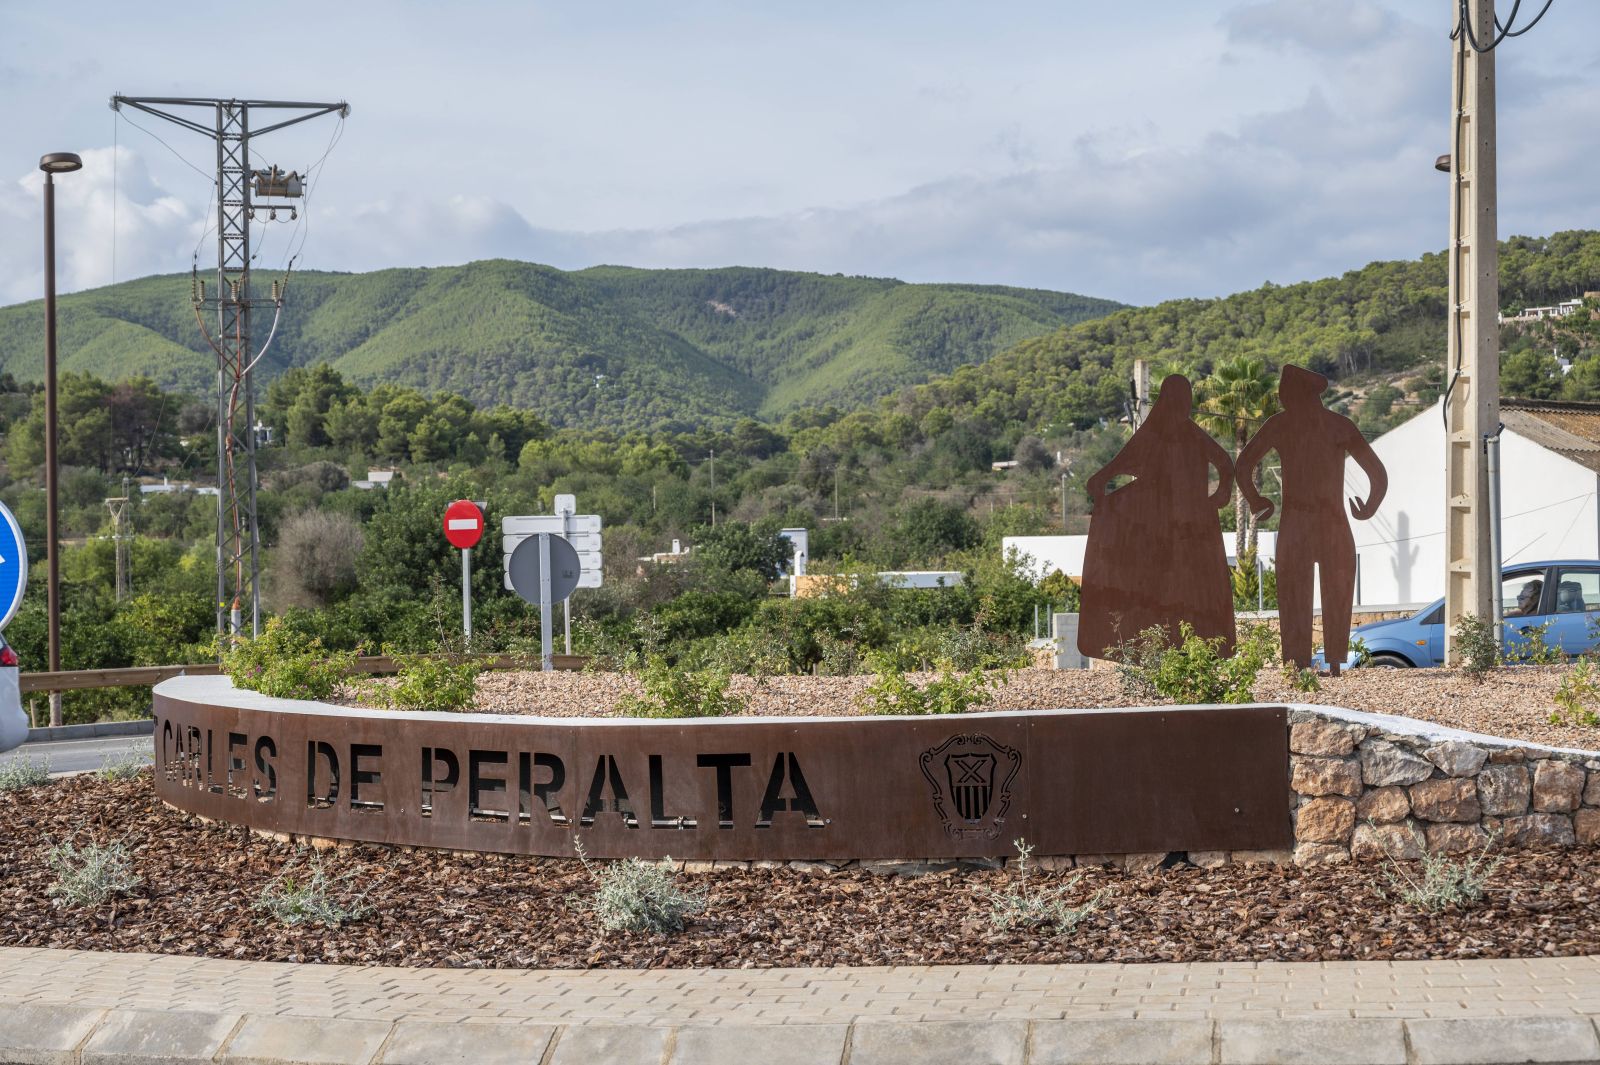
x=65 y=1035
x=87 y=732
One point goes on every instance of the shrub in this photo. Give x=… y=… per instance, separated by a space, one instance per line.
x=286 y=664
x=317 y=899
x=89 y=876
x=673 y=692
x=429 y=682
x=1023 y=906
x=315 y=560
x=892 y=692
x=1578 y=696
x=1301 y=680
x=1195 y=670
x=24 y=771
x=638 y=896
x=123 y=765
x=1475 y=643
x=1530 y=648
x=1444 y=882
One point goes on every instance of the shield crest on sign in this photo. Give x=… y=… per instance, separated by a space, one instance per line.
x=971 y=778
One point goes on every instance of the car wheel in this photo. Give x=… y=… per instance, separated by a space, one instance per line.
x=1388 y=661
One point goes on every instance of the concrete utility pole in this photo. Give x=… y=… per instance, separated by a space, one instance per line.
x=119 y=541
x=1472 y=370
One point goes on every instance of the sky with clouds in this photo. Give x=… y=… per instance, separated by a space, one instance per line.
x=1140 y=150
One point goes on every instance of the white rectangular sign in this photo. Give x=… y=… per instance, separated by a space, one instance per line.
x=580 y=530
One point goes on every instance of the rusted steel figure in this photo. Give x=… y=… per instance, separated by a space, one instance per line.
x=1155 y=553
x=1312 y=443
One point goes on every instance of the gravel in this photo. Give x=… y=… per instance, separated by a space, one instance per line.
x=200 y=884
x=1512 y=703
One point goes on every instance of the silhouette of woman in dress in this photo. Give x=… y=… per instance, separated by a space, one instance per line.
x=1155 y=554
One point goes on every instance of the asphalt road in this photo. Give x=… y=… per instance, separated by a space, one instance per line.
x=76 y=756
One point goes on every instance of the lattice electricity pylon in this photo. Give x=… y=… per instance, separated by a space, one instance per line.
x=238 y=535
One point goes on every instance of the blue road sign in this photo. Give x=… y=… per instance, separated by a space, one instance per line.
x=13 y=566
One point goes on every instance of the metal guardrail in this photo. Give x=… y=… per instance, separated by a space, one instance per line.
x=145 y=676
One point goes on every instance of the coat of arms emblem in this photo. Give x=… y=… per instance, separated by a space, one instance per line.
x=971 y=778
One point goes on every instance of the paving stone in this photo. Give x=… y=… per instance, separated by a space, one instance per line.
x=44 y=1035
x=594 y=1044
x=429 y=1043
x=1311 y=1041
x=305 y=1041
x=1122 y=1042
x=796 y=1044
x=1464 y=1041
x=967 y=1042
x=158 y=1037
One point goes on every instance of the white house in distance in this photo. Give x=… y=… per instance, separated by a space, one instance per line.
x=1549 y=473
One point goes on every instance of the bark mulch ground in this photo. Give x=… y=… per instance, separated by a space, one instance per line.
x=201 y=882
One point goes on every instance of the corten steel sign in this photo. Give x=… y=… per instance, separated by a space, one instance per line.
x=1070 y=782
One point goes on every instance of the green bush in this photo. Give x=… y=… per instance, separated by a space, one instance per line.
x=315 y=899
x=1444 y=882
x=24 y=771
x=286 y=664
x=1579 y=696
x=670 y=691
x=1530 y=648
x=951 y=692
x=1475 y=643
x=429 y=682
x=90 y=875
x=638 y=896
x=1195 y=670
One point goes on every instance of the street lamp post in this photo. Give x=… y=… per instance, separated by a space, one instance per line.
x=52 y=164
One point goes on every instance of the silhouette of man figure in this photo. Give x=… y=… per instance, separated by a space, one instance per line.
x=1312 y=443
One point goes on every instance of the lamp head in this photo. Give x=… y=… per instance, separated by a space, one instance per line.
x=1442 y=163
x=60 y=163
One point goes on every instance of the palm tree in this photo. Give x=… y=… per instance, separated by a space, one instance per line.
x=1232 y=402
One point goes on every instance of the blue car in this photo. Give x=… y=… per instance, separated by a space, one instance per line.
x=1564 y=595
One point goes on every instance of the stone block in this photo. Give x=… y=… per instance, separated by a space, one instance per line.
x=1323 y=738
x=1470 y=1041
x=1384 y=763
x=1209 y=859
x=1320 y=854
x=698 y=868
x=1325 y=776
x=1311 y=1041
x=1504 y=790
x=1262 y=857
x=1402 y=841
x=813 y=868
x=434 y=1043
x=1591 y=790
x=1557 y=786
x=1050 y=863
x=905 y=867
x=1586 y=826
x=1506 y=756
x=590 y=1044
x=1143 y=863
x=1122 y=1041
x=305 y=1041
x=44 y=1035
x=1384 y=806
x=739 y=1044
x=1456 y=758
x=969 y=1042
x=1453 y=799
x=1455 y=839
x=1324 y=821
x=1532 y=830
x=156 y=1037
x=1109 y=861
x=767 y=865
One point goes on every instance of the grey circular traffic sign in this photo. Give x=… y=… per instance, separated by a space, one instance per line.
x=564 y=568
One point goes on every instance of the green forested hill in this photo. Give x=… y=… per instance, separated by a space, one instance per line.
x=608 y=346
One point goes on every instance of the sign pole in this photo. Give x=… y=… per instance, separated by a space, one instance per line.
x=546 y=660
x=466 y=596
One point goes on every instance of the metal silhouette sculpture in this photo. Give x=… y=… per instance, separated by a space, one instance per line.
x=1155 y=555
x=1314 y=538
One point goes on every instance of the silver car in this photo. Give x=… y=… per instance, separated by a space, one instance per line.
x=13 y=720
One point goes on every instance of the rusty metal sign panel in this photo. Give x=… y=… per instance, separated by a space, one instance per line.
x=1070 y=782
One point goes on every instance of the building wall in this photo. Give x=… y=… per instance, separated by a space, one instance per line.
x=1046 y=554
x=1548 y=508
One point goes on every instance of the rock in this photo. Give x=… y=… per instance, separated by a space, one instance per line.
x=1591 y=793
x=1320 y=854
x=1383 y=806
x=813 y=868
x=1557 y=786
x=1455 y=839
x=1325 y=776
x=1532 y=830
x=1143 y=863
x=767 y=865
x=695 y=868
x=1321 y=738
x=1456 y=759
x=1586 y=826
x=1113 y=861
x=1504 y=790
x=1505 y=756
x=1263 y=857
x=1050 y=863
x=1402 y=842
x=1383 y=763
x=1325 y=821
x=1450 y=799
x=905 y=867
x=719 y=866
x=1208 y=859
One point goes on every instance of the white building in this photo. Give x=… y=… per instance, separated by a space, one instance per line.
x=1549 y=472
x=1043 y=555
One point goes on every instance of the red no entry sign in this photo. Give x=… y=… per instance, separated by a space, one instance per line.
x=463 y=524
